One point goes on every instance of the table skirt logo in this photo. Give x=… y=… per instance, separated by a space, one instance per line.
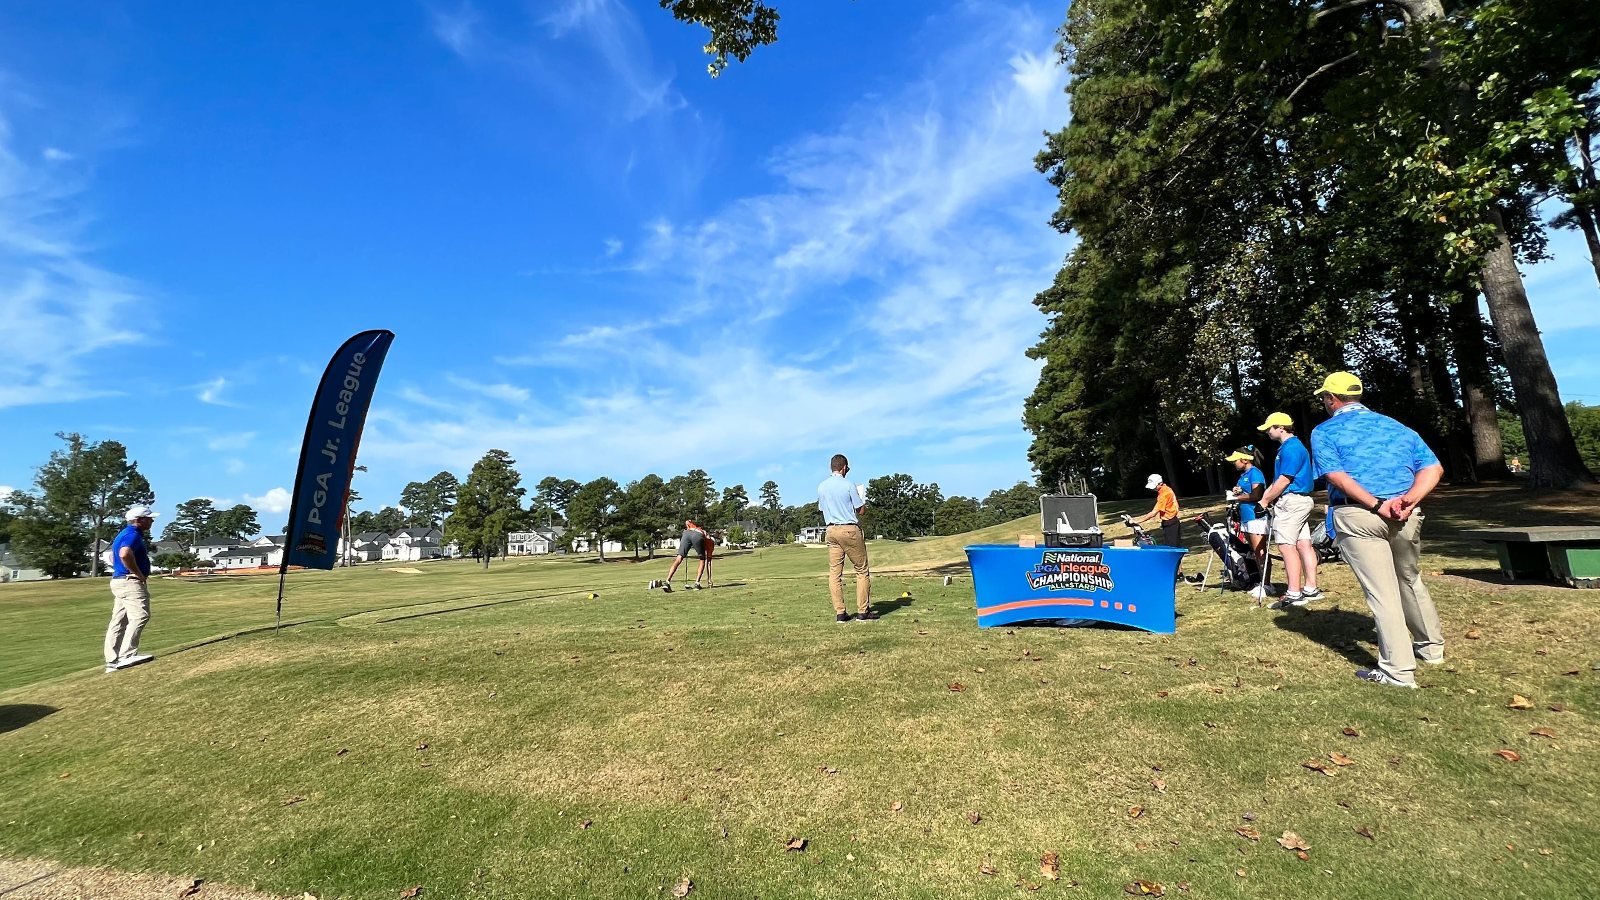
x=1075 y=570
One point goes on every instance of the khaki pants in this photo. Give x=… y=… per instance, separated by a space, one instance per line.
x=1383 y=556
x=130 y=609
x=847 y=540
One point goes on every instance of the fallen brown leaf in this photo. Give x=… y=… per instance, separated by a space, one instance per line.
x=1183 y=886
x=1556 y=707
x=957 y=686
x=1519 y=702
x=1351 y=732
x=1318 y=765
x=1145 y=889
x=410 y=892
x=1365 y=832
x=1248 y=817
x=1050 y=866
x=341 y=752
x=1340 y=759
x=190 y=889
x=1302 y=855
x=1239 y=872
x=1245 y=831
x=974 y=818
x=1105 y=668
x=795 y=845
x=1474 y=634
x=1509 y=755
x=1571 y=672
x=896 y=806
x=828 y=770
x=1292 y=841
x=584 y=825
x=979 y=670
x=293 y=800
x=1159 y=785
x=988 y=869
x=1135 y=812
x=1543 y=732
x=1141 y=845
x=422 y=746
x=1163 y=694
x=682 y=888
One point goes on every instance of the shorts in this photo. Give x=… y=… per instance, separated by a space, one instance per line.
x=692 y=539
x=1289 y=516
x=1254 y=526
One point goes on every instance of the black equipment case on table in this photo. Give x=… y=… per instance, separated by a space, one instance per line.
x=1070 y=520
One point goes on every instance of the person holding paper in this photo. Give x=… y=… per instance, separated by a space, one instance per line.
x=842 y=503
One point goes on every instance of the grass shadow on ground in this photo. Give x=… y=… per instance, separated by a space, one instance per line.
x=21 y=715
x=1340 y=630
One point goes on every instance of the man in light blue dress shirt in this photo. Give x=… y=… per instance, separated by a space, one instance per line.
x=842 y=502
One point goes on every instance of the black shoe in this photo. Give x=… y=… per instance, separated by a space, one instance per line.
x=667 y=588
x=869 y=616
x=842 y=618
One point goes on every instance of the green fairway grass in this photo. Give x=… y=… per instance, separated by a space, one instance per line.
x=499 y=734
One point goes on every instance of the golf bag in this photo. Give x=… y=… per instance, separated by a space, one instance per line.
x=1322 y=542
x=1239 y=568
x=1141 y=538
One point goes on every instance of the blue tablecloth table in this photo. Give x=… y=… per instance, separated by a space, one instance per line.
x=1126 y=585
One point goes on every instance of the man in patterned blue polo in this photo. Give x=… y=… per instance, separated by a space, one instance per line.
x=1378 y=471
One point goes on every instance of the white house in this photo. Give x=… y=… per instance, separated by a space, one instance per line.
x=12 y=569
x=250 y=557
x=584 y=544
x=208 y=548
x=536 y=542
x=413 y=544
x=365 y=547
x=812 y=534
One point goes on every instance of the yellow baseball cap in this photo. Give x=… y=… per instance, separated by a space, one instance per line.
x=1239 y=456
x=1340 y=383
x=1281 y=419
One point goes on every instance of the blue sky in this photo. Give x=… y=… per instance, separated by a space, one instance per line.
x=594 y=256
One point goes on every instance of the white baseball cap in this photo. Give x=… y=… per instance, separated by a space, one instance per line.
x=1153 y=482
x=139 y=512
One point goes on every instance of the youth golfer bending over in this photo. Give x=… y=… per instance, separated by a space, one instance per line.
x=694 y=538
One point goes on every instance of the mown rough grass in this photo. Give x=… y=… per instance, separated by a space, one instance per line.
x=694 y=732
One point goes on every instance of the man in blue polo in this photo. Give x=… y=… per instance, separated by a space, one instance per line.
x=130 y=593
x=1378 y=471
x=1289 y=498
x=841 y=503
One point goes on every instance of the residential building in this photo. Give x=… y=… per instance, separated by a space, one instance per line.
x=208 y=548
x=413 y=544
x=812 y=534
x=365 y=547
x=12 y=568
x=248 y=557
x=583 y=544
x=537 y=542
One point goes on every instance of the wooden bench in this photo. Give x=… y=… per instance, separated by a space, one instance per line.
x=1565 y=553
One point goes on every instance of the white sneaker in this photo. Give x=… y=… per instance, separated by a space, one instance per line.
x=134 y=660
x=1416 y=650
x=1311 y=594
x=1293 y=598
x=113 y=666
x=1378 y=676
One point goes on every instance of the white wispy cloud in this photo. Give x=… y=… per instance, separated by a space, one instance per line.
x=211 y=391
x=881 y=291
x=61 y=311
x=235 y=441
x=504 y=392
x=456 y=28
x=617 y=75
x=273 y=501
x=55 y=154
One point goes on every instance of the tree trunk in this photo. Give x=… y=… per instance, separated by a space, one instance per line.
x=1586 y=223
x=1168 y=460
x=1553 y=459
x=1472 y=369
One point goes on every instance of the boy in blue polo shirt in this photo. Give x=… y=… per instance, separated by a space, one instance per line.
x=1289 y=498
x=1378 y=471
